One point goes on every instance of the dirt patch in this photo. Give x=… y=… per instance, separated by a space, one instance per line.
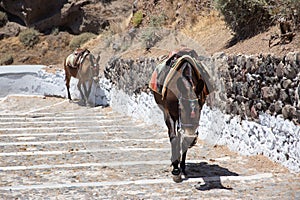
x=258 y=162
x=265 y=164
x=210 y=32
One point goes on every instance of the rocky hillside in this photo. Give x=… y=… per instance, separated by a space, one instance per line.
x=57 y=23
x=59 y=28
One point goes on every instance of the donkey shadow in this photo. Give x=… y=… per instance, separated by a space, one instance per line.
x=209 y=173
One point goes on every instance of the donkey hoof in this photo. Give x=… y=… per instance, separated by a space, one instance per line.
x=177 y=175
x=89 y=104
x=81 y=103
x=177 y=178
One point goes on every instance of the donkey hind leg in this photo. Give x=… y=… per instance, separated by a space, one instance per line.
x=85 y=93
x=87 y=87
x=68 y=86
x=81 y=93
x=88 y=92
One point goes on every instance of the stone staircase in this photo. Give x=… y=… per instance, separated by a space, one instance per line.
x=60 y=150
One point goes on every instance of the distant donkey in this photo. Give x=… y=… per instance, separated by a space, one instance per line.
x=85 y=70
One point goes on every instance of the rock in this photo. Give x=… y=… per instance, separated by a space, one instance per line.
x=298 y=58
x=254 y=113
x=250 y=63
x=289 y=112
x=297 y=96
x=270 y=70
x=240 y=98
x=279 y=70
x=262 y=69
x=251 y=94
x=272 y=108
x=278 y=107
x=283 y=96
x=250 y=79
x=6 y=60
x=292 y=97
x=290 y=58
x=116 y=47
x=270 y=80
x=10 y=29
x=298 y=116
x=235 y=108
x=241 y=61
x=286 y=83
x=258 y=106
x=290 y=72
x=269 y=94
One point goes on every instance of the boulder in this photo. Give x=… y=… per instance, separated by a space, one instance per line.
x=280 y=70
x=10 y=29
x=290 y=71
x=289 y=112
x=31 y=13
x=76 y=16
x=269 y=94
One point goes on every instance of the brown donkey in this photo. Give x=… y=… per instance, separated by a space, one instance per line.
x=181 y=99
x=81 y=64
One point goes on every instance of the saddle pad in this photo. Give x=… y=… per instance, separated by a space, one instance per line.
x=71 y=59
x=158 y=77
x=164 y=72
x=175 y=69
x=75 y=59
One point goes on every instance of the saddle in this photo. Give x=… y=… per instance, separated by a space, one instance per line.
x=164 y=71
x=76 y=58
x=160 y=74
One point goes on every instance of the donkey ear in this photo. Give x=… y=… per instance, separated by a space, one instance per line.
x=199 y=86
x=98 y=58
x=92 y=59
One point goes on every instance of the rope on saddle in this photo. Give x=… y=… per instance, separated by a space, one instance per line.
x=76 y=59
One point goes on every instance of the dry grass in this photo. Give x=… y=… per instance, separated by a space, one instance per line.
x=210 y=31
x=51 y=50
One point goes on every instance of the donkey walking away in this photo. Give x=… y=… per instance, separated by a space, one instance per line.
x=180 y=96
x=85 y=70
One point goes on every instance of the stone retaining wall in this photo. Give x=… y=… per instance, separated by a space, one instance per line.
x=249 y=84
x=256 y=84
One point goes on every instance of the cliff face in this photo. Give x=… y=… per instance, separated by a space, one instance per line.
x=31 y=12
x=73 y=15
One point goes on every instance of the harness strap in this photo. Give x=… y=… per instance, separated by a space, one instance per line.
x=82 y=57
x=76 y=59
x=180 y=123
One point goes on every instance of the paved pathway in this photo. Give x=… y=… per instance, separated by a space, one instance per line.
x=53 y=149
